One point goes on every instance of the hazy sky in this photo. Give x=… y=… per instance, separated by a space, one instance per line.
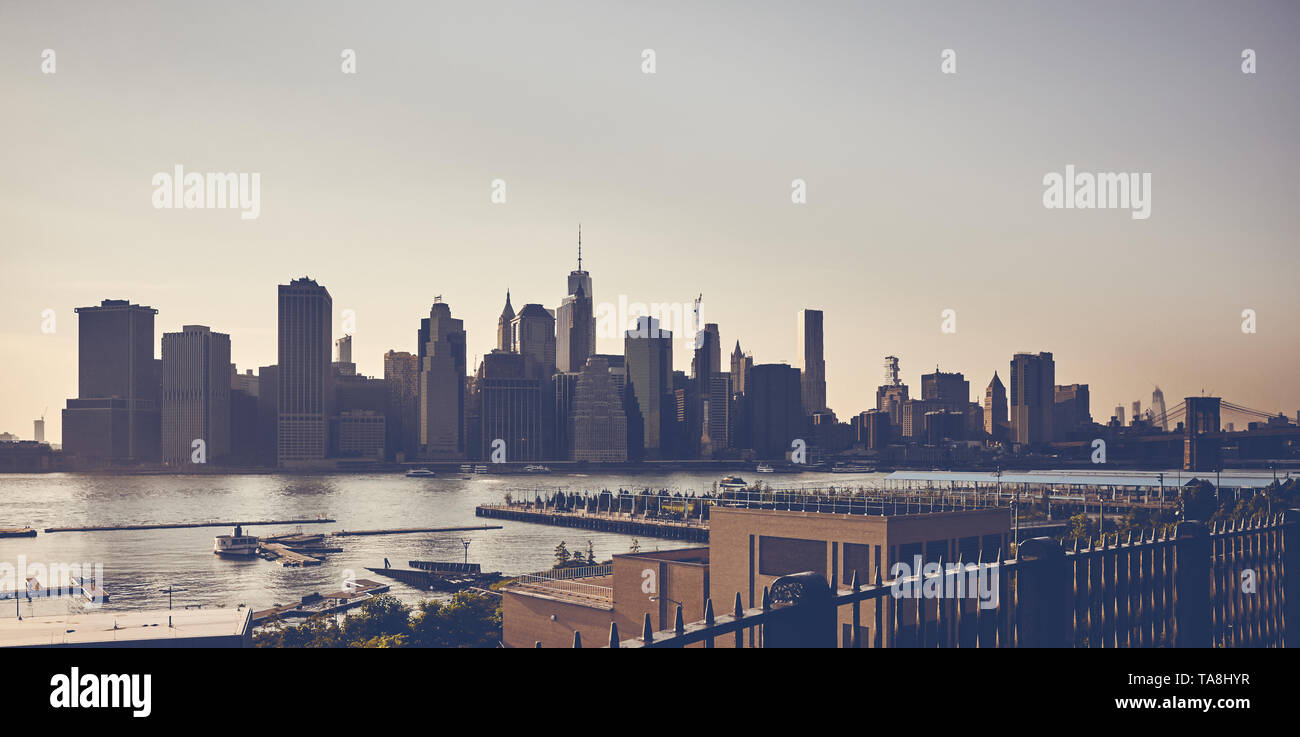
x=924 y=189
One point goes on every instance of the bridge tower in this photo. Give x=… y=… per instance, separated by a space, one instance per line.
x=1201 y=453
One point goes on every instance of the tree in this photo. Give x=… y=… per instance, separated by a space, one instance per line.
x=561 y=555
x=635 y=547
x=470 y=619
x=379 y=617
x=591 y=554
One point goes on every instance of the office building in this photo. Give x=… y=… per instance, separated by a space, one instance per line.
x=195 y=395
x=575 y=321
x=648 y=357
x=598 y=425
x=442 y=386
x=402 y=380
x=812 y=362
x=533 y=333
x=891 y=395
x=304 y=395
x=1032 y=398
x=1072 y=410
x=116 y=416
x=775 y=409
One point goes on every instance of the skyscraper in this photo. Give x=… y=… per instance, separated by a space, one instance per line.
x=1161 y=414
x=1033 y=398
x=402 y=380
x=195 y=394
x=1073 y=408
x=505 y=327
x=575 y=320
x=995 y=409
x=598 y=426
x=892 y=395
x=574 y=332
x=775 y=409
x=116 y=413
x=304 y=376
x=812 y=363
x=740 y=366
x=648 y=355
x=533 y=333
x=507 y=406
x=950 y=391
x=442 y=386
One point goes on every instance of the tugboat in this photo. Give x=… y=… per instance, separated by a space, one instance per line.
x=420 y=473
x=237 y=545
x=536 y=469
x=732 y=482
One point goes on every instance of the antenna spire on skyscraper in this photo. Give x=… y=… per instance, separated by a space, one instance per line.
x=579 y=246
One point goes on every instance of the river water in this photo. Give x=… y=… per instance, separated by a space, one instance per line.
x=139 y=565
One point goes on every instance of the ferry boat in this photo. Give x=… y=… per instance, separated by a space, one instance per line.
x=237 y=545
x=536 y=469
x=420 y=473
x=765 y=468
x=732 y=482
x=466 y=468
x=854 y=468
x=480 y=469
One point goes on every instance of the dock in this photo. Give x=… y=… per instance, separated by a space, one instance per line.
x=411 y=530
x=284 y=556
x=439 y=576
x=618 y=523
x=77 y=586
x=362 y=590
x=184 y=525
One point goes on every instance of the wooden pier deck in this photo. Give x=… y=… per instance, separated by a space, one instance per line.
x=286 y=557
x=619 y=523
x=77 y=586
x=431 y=580
x=183 y=525
x=313 y=604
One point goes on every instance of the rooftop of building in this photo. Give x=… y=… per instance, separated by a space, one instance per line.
x=130 y=627
x=699 y=555
x=589 y=586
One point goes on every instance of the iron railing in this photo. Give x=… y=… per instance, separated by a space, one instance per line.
x=1227 y=587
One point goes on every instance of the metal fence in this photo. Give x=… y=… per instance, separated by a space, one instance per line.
x=1198 y=587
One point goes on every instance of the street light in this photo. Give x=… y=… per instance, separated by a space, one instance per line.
x=169 y=591
x=466 y=544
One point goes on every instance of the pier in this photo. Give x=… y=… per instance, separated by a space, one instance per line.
x=357 y=594
x=17 y=532
x=77 y=586
x=438 y=576
x=616 y=522
x=184 y=525
x=411 y=530
x=286 y=557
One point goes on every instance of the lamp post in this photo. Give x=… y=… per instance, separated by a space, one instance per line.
x=169 y=591
x=466 y=544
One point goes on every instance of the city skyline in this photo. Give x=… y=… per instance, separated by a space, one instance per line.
x=378 y=184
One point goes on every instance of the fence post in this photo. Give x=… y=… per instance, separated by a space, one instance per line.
x=1042 y=606
x=810 y=622
x=1290 y=575
x=1191 y=585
